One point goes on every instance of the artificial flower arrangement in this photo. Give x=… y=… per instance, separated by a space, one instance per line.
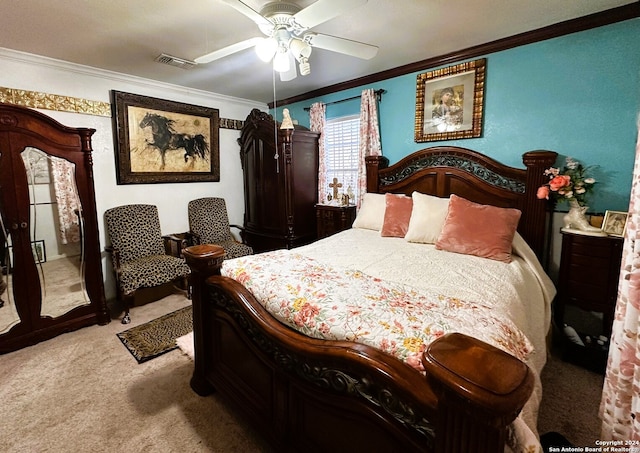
x=569 y=184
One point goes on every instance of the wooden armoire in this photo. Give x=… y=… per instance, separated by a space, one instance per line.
x=52 y=285
x=280 y=183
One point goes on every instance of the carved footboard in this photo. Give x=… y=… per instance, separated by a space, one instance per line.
x=319 y=395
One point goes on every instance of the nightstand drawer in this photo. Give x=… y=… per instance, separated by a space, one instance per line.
x=590 y=261
x=601 y=248
x=589 y=292
x=333 y=219
x=594 y=274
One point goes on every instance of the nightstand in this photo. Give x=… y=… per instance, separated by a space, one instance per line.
x=333 y=219
x=588 y=280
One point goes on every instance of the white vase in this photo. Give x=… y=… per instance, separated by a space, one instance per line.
x=576 y=222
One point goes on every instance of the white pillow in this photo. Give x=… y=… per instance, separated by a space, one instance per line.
x=371 y=213
x=427 y=218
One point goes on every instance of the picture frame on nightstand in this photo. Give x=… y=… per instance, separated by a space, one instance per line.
x=615 y=223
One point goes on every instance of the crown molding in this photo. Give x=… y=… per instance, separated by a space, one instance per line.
x=117 y=77
x=600 y=19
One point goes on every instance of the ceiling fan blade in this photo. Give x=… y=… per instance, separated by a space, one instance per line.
x=233 y=48
x=323 y=10
x=291 y=73
x=342 y=45
x=249 y=12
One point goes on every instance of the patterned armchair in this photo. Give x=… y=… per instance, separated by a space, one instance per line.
x=138 y=252
x=209 y=224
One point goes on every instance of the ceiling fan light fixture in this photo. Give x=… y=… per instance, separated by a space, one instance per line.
x=304 y=67
x=266 y=49
x=281 y=60
x=299 y=48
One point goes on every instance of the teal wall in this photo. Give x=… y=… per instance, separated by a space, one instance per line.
x=578 y=95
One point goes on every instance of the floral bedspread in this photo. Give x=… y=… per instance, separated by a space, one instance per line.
x=331 y=303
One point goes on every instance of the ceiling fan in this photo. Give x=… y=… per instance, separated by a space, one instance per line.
x=288 y=36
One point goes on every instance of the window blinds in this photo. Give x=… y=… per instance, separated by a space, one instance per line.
x=342 y=141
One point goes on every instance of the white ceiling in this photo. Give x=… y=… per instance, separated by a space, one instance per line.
x=127 y=35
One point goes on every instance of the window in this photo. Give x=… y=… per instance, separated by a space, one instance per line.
x=341 y=143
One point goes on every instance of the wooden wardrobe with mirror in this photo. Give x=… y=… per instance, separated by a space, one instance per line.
x=49 y=249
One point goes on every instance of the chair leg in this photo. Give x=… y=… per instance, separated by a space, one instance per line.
x=127 y=299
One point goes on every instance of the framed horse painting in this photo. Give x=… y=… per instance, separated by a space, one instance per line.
x=161 y=141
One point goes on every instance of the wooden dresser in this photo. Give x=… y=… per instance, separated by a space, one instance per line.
x=280 y=183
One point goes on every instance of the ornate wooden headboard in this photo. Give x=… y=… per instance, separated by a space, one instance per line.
x=446 y=170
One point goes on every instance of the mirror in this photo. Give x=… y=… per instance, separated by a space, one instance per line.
x=56 y=232
x=56 y=238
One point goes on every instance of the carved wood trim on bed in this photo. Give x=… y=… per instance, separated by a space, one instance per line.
x=305 y=393
x=444 y=170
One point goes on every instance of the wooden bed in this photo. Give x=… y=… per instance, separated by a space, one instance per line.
x=316 y=395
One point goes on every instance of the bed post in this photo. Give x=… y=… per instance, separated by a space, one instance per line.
x=204 y=260
x=476 y=402
x=373 y=164
x=534 y=220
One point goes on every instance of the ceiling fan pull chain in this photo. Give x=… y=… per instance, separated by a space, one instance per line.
x=275 y=120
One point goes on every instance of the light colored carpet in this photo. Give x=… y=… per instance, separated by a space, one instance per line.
x=570 y=401
x=83 y=392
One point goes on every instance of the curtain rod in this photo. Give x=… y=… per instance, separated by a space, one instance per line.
x=378 y=93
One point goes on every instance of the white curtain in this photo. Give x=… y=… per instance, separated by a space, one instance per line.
x=620 y=404
x=317 y=115
x=369 y=137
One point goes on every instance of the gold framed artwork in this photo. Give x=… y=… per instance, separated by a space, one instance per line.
x=161 y=141
x=450 y=102
x=615 y=223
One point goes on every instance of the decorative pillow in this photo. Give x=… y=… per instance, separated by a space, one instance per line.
x=371 y=213
x=427 y=218
x=396 y=215
x=476 y=229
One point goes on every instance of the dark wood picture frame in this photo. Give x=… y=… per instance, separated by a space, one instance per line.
x=445 y=110
x=160 y=141
x=39 y=251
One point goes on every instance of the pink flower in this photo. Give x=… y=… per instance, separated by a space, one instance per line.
x=559 y=182
x=543 y=192
x=569 y=184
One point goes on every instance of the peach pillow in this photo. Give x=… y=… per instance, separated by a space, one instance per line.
x=476 y=229
x=396 y=215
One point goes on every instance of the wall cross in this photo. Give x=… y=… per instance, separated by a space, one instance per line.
x=335 y=185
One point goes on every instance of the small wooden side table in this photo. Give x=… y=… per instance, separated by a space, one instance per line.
x=588 y=279
x=333 y=219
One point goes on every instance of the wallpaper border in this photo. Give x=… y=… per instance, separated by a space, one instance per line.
x=48 y=101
